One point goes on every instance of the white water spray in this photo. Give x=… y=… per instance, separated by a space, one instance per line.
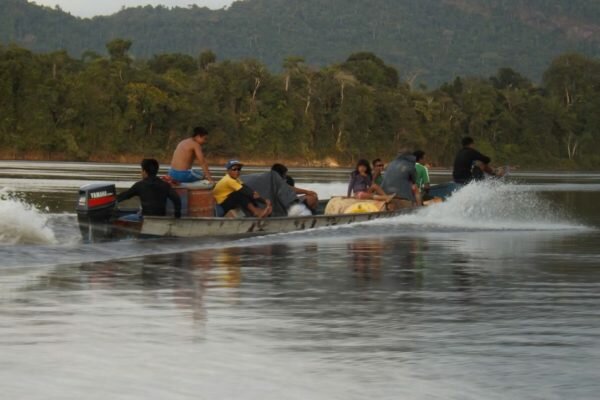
x=21 y=222
x=491 y=205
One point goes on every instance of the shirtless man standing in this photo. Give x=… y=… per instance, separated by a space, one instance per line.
x=183 y=157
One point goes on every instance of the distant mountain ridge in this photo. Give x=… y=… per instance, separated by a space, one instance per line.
x=432 y=40
x=573 y=26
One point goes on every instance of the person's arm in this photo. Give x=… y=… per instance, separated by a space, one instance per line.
x=174 y=197
x=483 y=158
x=304 y=191
x=487 y=168
x=351 y=184
x=375 y=188
x=258 y=197
x=484 y=161
x=412 y=176
x=248 y=191
x=426 y=180
x=202 y=162
x=129 y=193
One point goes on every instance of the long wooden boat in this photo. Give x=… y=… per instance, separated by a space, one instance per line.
x=100 y=220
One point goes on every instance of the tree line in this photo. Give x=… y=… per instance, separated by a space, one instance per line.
x=98 y=107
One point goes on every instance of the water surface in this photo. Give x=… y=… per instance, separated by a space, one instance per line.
x=492 y=295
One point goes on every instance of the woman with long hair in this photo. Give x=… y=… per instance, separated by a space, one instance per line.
x=362 y=186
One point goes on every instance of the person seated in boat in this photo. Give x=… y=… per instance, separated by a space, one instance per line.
x=186 y=152
x=400 y=178
x=153 y=193
x=361 y=184
x=231 y=193
x=284 y=200
x=308 y=197
x=470 y=164
x=378 y=168
x=422 y=183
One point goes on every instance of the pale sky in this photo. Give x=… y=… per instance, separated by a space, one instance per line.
x=90 y=8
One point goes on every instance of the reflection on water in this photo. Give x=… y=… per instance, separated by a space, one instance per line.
x=365 y=257
x=423 y=317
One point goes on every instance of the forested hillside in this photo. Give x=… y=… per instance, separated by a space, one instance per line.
x=54 y=106
x=428 y=41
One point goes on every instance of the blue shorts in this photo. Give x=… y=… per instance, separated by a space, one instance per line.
x=188 y=175
x=135 y=217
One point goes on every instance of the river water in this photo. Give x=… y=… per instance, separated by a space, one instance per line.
x=494 y=294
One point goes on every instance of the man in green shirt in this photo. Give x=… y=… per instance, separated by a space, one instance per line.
x=422 y=175
x=378 y=171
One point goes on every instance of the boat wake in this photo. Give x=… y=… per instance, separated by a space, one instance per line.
x=484 y=207
x=491 y=205
x=21 y=222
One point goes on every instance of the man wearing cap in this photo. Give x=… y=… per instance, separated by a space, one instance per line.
x=231 y=193
x=185 y=153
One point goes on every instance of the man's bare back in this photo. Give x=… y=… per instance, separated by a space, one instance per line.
x=185 y=153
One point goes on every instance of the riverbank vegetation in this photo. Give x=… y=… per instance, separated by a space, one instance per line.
x=115 y=108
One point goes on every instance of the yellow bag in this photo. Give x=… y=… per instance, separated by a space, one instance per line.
x=362 y=207
x=347 y=205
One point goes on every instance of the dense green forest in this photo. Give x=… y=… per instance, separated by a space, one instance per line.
x=54 y=106
x=428 y=41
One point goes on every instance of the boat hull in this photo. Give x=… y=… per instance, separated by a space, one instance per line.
x=243 y=227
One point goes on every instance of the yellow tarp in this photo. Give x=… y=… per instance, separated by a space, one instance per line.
x=348 y=205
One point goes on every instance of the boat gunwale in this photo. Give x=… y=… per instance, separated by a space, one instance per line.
x=285 y=218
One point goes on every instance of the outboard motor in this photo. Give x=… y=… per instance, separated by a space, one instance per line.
x=95 y=209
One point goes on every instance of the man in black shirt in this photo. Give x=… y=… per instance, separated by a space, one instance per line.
x=153 y=192
x=470 y=164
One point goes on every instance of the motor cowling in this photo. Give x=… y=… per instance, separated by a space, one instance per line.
x=95 y=207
